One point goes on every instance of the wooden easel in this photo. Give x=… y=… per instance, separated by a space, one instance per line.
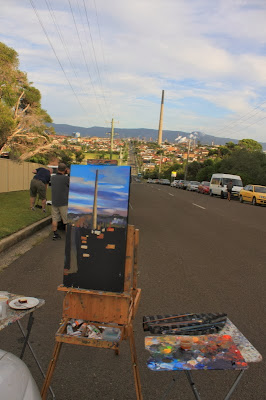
x=106 y=308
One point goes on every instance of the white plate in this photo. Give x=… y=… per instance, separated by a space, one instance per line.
x=31 y=302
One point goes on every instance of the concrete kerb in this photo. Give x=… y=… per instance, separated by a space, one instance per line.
x=23 y=233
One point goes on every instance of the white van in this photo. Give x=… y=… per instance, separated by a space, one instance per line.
x=218 y=185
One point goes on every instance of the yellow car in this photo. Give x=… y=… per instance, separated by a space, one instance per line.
x=255 y=194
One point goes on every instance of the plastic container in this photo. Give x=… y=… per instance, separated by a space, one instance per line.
x=112 y=334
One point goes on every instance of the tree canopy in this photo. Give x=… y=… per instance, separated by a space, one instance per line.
x=22 y=118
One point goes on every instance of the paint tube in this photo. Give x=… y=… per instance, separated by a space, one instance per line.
x=82 y=329
x=93 y=332
x=77 y=322
x=69 y=329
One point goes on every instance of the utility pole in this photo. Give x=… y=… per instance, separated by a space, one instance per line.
x=160 y=133
x=185 y=177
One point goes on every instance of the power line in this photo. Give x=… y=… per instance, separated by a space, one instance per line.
x=63 y=42
x=101 y=42
x=243 y=116
x=95 y=58
x=83 y=54
x=59 y=62
x=250 y=124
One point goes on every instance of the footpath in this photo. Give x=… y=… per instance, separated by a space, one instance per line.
x=12 y=246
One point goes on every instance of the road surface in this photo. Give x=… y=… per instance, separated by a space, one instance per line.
x=197 y=254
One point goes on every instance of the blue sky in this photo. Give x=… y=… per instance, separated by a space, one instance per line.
x=208 y=56
x=113 y=189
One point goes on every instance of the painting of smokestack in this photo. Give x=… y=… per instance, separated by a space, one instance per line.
x=97 y=227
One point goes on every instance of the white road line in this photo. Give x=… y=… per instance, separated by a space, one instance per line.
x=171 y=194
x=198 y=206
x=131 y=206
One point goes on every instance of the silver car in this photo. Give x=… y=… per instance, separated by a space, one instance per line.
x=193 y=186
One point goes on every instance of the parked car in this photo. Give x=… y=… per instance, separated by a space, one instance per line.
x=174 y=183
x=218 y=185
x=180 y=183
x=254 y=194
x=149 y=180
x=193 y=186
x=16 y=380
x=184 y=185
x=164 y=181
x=204 y=187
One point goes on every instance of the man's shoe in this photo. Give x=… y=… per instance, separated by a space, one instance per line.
x=56 y=236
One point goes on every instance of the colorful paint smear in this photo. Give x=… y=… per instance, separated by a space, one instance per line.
x=177 y=353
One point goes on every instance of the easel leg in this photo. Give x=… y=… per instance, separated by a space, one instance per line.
x=50 y=370
x=192 y=384
x=134 y=362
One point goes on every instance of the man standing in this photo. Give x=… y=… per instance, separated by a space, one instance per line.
x=229 y=189
x=60 y=188
x=39 y=185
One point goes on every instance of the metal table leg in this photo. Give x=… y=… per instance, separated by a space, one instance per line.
x=29 y=326
x=26 y=342
x=239 y=376
x=192 y=384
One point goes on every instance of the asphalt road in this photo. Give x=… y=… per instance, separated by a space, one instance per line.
x=197 y=254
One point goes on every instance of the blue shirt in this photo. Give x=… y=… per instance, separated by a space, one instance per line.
x=43 y=175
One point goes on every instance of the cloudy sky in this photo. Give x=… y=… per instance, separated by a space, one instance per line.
x=94 y=60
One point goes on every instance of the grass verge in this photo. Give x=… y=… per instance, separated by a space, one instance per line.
x=15 y=212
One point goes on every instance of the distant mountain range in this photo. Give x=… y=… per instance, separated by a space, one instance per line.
x=142 y=133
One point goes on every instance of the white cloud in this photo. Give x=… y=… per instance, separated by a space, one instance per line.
x=211 y=52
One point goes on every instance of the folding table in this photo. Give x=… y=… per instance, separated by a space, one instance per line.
x=15 y=316
x=228 y=350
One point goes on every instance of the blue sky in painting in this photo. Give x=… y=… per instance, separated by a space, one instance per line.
x=113 y=189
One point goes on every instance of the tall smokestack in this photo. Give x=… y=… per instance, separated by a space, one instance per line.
x=94 y=222
x=160 y=133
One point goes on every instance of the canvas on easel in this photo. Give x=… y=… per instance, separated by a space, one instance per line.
x=97 y=227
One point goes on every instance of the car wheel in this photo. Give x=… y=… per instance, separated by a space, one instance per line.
x=254 y=201
x=222 y=195
x=241 y=199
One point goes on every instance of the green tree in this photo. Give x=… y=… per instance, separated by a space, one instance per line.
x=250 y=165
x=250 y=144
x=21 y=115
x=66 y=157
x=193 y=169
x=79 y=155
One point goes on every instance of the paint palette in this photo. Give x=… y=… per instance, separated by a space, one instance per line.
x=173 y=353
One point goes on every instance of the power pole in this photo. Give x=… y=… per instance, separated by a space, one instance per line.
x=160 y=133
x=185 y=177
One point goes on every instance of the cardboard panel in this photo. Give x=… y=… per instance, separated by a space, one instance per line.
x=97 y=227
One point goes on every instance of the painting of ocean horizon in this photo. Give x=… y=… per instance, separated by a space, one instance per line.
x=97 y=227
